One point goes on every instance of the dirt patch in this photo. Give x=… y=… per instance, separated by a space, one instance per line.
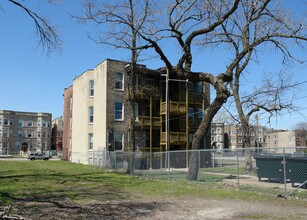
x=159 y=208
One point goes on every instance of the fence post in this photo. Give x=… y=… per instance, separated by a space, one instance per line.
x=238 y=169
x=115 y=165
x=198 y=159
x=285 y=171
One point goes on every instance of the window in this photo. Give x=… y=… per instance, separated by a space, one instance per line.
x=136 y=111
x=70 y=103
x=191 y=87
x=119 y=111
x=212 y=138
x=90 y=141
x=44 y=134
x=91 y=114
x=118 y=141
x=200 y=87
x=200 y=114
x=11 y=121
x=44 y=124
x=20 y=133
x=0 y=121
x=39 y=123
x=5 y=121
x=191 y=115
x=119 y=81
x=212 y=130
x=30 y=123
x=38 y=134
x=21 y=123
x=91 y=87
x=29 y=134
x=0 y=133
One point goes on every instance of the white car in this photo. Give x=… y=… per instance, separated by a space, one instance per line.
x=6 y=156
x=38 y=156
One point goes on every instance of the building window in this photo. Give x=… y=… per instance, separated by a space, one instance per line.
x=200 y=87
x=70 y=103
x=212 y=130
x=191 y=115
x=38 y=134
x=119 y=111
x=5 y=121
x=21 y=123
x=44 y=134
x=136 y=111
x=118 y=141
x=0 y=121
x=29 y=134
x=90 y=141
x=30 y=123
x=212 y=138
x=200 y=114
x=11 y=121
x=20 y=133
x=0 y=133
x=191 y=87
x=91 y=114
x=119 y=81
x=91 y=87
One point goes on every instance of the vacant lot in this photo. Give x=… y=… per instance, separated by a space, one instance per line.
x=60 y=190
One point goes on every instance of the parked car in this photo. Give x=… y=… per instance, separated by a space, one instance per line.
x=38 y=156
x=6 y=156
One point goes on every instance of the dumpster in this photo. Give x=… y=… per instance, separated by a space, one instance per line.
x=297 y=170
x=270 y=167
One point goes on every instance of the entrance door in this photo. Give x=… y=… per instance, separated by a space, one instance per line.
x=25 y=148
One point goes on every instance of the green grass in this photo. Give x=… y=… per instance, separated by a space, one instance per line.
x=57 y=180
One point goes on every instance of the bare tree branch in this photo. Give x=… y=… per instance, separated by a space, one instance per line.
x=48 y=37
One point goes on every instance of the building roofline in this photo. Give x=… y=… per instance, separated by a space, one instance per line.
x=23 y=112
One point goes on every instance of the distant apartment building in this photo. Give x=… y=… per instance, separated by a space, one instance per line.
x=24 y=132
x=234 y=136
x=291 y=140
x=67 y=123
x=217 y=136
x=97 y=113
x=57 y=136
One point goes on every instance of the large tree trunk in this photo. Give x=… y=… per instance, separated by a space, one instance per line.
x=203 y=129
x=247 y=146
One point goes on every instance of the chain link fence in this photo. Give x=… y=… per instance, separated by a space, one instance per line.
x=281 y=169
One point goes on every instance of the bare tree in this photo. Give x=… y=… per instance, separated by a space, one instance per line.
x=245 y=25
x=274 y=97
x=47 y=34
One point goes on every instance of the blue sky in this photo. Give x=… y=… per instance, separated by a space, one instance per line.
x=32 y=81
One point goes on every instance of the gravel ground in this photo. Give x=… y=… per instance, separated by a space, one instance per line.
x=188 y=208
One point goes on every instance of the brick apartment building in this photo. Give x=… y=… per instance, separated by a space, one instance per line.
x=24 y=132
x=97 y=113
